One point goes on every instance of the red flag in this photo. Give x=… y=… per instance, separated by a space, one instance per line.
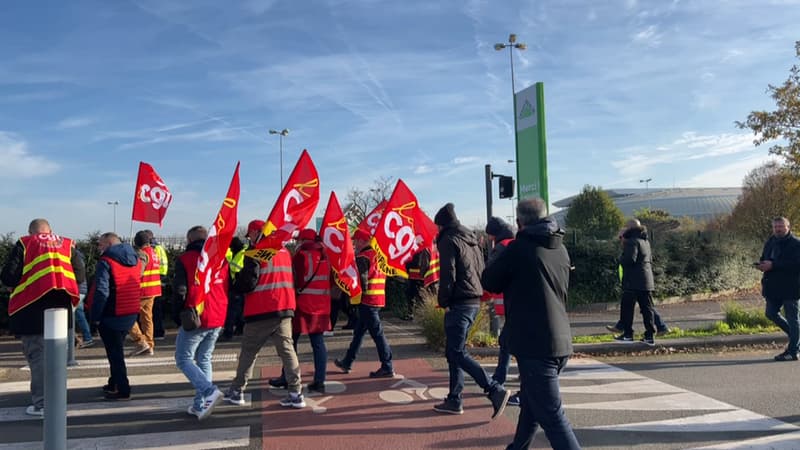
x=370 y=221
x=152 y=198
x=294 y=209
x=339 y=249
x=211 y=264
x=402 y=231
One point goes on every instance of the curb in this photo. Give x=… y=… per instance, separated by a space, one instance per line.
x=633 y=348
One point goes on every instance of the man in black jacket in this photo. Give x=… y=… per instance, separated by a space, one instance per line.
x=533 y=274
x=460 y=292
x=780 y=284
x=637 y=282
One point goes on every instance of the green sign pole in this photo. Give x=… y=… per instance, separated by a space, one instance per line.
x=531 y=143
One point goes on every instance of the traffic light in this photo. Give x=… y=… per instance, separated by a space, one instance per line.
x=506 y=186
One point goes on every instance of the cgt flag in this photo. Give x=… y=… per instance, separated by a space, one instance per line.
x=152 y=198
x=403 y=230
x=212 y=266
x=294 y=209
x=339 y=249
x=370 y=222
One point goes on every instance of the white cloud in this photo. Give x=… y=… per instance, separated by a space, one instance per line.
x=18 y=162
x=258 y=6
x=419 y=170
x=649 y=37
x=728 y=175
x=465 y=159
x=74 y=122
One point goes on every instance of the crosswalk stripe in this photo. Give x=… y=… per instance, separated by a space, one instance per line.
x=144 y=361
x=100 y=408
x=785 y=441
x=644 y=386
x=684 y=401
x=201 y=439
x=11 y=387
x=739 y=420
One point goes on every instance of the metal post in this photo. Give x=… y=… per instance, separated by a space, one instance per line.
x=55 y=379
x=488 y=192
x=281 y=147
x=71 y=343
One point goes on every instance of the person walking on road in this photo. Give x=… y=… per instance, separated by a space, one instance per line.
x=142 y=330
x=637 y=282
x=533 y=274
x=461 y=264
x=194 y=348
x=44 y=272
x=780 y=283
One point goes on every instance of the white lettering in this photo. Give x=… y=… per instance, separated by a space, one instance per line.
x=404 y=239
x=158 y=197
x=295 y=195
x=327 y=239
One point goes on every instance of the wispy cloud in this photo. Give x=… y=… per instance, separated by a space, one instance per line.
x=419 y=170
x=465 y=159
x=19 y=162
x=730 y=174
x=649 y=37
x=74 y=122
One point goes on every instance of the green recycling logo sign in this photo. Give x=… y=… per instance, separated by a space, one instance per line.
x=527 y=110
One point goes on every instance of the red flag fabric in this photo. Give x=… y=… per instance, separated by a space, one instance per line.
x=402 y=231
x=294 y=208
x=211 y=264
x=152 y=197
x=339 y=249
x=370 y=221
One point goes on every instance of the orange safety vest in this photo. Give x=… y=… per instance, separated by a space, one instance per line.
x=374 y=293
x=126 y=287
x=214 y=307
x=432 y=274
x=151 y=278
x=275 y=287
x=46 y=266
x=314 y=295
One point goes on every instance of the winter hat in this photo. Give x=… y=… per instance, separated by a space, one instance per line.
x=308 y=234
x=236 y=244
x=498 y=227
x=446 y=216
x=255 y=225
x=361 y=235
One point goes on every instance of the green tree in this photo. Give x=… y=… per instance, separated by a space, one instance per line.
x=594 y=214
x=783 y=124
x=767 y=191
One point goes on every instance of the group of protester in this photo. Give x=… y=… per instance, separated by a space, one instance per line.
x=526 y=277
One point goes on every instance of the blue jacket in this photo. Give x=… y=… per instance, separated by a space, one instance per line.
x=125 y=255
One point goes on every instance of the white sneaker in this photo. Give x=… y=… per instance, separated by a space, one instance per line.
x=193 y=412
x=139 y=349
x=293 y=400
x=32 y=410
x=327 y=333
x=208 y=406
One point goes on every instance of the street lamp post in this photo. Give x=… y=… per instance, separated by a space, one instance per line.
x=512 y=44
x=646 y=182
x=281 y=134
x=114 y=204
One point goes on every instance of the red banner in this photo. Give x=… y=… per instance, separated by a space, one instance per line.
x=339 y=249
x=152 y=198
x=293 y=210
x=211 y=264
x=370 y=221
x=403 y=230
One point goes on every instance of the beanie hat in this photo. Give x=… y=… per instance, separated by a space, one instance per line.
x=255 y=225
x=446 y=216
x=361 y=235
x=497 y=227
x=307 y=234
x=236 y=244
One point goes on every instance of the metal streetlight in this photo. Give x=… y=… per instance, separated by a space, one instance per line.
x=512 y=44
x=114 y=204
x=281 y=134
x=646 y=182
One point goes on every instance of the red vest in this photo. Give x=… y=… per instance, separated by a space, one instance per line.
x=275 y=288
x=46 y=266
x=151 y=278
x=497 y=299
x=432 y=274
x=125 y=288
x=313 y=288
x=374 y=293
x=214 y=305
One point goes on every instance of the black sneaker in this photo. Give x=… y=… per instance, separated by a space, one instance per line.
x=786 y=356
x=648 y=340
x=513 y=400
x=116 y=396
x=317 y=387
x=382 y=373
x=448 y=407
x=663 y=331
x=623 y=338
x=613 y=329
x=109 y=389
x=279 y=383
x=499 y=399
x=340 y=364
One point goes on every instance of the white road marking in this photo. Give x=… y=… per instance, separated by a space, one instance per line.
x=739 y=420
x=685 y=401
x=143 y=361
x=199 y=439
x=643 y=386
x=785 y=441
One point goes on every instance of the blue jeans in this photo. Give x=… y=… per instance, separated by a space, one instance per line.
x=81 y=322
x=193 y=350
x=113 y=341
x=457 y=321
x=503 y=358
x=789 y=323
x=369 y=319
x=540 y=403
x=320 y=356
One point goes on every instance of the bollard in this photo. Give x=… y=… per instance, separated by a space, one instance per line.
x=494 y=321
x=71 y=362
x=55 y=379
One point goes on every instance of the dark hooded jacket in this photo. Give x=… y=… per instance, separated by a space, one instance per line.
x=103 y=301
x=783 y=281
x=636 y=261
x=533 y=274
x=460 y=266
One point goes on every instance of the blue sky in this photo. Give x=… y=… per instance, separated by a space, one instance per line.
x=410 y=90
